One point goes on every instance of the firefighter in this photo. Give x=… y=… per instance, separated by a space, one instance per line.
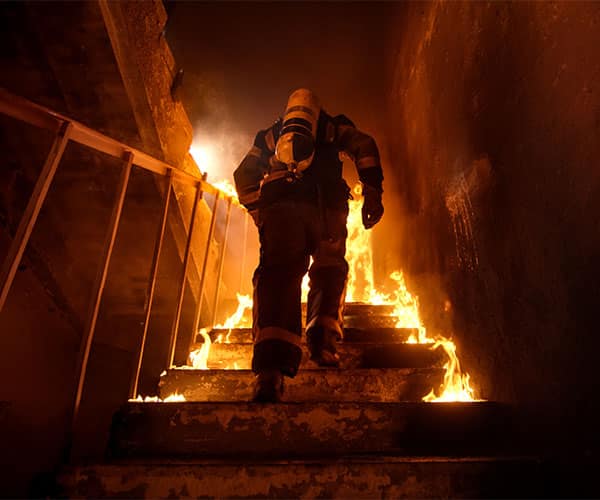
x=291 y=183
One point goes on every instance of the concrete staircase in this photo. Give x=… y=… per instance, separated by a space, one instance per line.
x=358 y=432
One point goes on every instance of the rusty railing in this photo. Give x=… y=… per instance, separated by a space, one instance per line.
x=67 y=130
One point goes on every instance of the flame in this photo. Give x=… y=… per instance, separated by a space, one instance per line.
x=304 y=286
x=456 y=384
x=199 y=357
x=171 y=398
x=359 y=256
x=227 y=188
x=238 y=319
x=360 y=288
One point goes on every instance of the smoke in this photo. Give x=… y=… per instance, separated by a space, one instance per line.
x=218 y=152
x=220 y=141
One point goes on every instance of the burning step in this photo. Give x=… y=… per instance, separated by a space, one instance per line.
x=367 y=334
x=352 y=355
x=306 y=429
x=363 y=309
x=375 y=385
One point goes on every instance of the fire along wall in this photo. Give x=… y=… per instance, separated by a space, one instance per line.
x=494 y=122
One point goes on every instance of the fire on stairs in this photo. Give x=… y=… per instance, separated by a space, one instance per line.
x=399 y=310
x=358 y=432
x=366 y=430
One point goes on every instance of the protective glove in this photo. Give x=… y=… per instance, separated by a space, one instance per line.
x=372 y=209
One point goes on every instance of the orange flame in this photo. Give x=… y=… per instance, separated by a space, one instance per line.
x=199 y=357
x=456 y=385
x=361 y=288
x=239 y=319
x=227 y=188
x=171 y=398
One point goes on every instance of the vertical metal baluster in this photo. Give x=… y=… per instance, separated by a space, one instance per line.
x=244 y=252
x=211 y=231
x=186 y=258
x=221 y=262
x=152 y=281
x=88 y=334
x=38 y=196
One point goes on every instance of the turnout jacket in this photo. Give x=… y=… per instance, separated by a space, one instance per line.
x=261 y=179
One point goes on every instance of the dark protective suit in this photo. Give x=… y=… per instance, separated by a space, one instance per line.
x=296 y=219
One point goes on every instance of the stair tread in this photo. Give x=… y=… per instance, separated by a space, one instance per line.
x=238 y=355
x=381 y=334
x=348 y=477
x=306 y=428
x=365 y=458
x=317 y=384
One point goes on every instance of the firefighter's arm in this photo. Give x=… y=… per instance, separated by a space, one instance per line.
x=363 y=150
x=251 y=171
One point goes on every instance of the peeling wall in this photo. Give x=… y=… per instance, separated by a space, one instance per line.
x=494 y=124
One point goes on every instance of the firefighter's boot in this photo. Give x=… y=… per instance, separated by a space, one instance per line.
x=269 y=387
x=321 y=345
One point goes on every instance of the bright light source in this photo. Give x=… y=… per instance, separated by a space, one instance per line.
x=202 y=155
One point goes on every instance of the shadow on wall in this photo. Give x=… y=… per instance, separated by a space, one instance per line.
x=494 y=119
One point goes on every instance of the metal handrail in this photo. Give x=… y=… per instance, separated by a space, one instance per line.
x=39 y=116
x=65 y=130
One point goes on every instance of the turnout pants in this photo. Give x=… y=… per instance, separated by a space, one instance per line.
x=290 y=232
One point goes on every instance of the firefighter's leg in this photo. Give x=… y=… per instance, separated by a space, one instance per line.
x=328 y=275
x=277 y=324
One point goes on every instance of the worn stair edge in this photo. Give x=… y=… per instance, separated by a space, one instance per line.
x=352 y=355
x=376 y=384
x=307 y=429
x=351 y=335
x=378 y=477
x=370 y=321
x=361 y=308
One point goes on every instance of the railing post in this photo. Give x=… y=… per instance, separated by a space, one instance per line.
x=186 y=258
x=221 y=262
x=244 y=251
x=211 y=231
x=88 y=334
x=29 y=218
x=152 y=281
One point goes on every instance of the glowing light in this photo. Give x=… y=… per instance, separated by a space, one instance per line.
x=199 y=357
x=304 y=286
x=171 y=398
x=203 y=156
x=361 y=288
x=359 y=256
x=456 y=385
x=227 y=188
x=239 y=319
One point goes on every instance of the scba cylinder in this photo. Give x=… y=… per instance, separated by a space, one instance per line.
x=296 y=143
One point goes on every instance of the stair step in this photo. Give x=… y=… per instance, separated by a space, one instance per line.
x=305 y=429
x=364 y=477
x=367 y=334
x=391 y=384
x=352 y=355
x=370 y=321
x=361 y=308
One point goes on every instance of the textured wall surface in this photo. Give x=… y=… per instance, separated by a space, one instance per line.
x=494 y=122
x=67 y=56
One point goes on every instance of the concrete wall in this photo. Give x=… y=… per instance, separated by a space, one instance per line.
x=70 y=57
x=494 y=124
